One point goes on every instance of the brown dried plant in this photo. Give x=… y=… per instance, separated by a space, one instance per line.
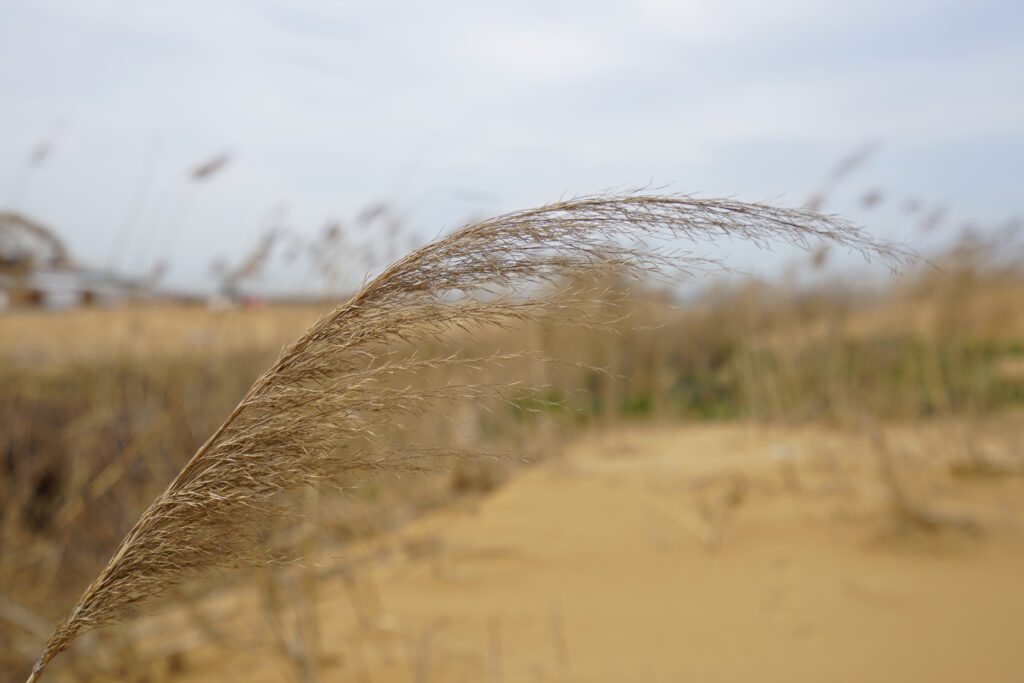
x=315 y=415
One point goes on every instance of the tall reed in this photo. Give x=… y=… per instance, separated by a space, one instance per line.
x=313 y=416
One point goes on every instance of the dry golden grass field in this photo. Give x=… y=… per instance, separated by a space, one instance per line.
x=39 y=338
x=769 y=485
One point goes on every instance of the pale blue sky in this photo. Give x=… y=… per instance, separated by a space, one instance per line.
x=449 y=109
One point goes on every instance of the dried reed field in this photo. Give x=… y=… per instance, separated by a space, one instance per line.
x=512 y=456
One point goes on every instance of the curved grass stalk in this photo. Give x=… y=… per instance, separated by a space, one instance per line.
x=306 y=420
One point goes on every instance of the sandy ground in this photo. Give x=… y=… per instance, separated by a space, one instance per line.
x=704 y=553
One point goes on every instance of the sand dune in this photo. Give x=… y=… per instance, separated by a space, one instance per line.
x=705 y=553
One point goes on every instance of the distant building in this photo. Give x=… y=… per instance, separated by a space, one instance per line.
x=35 y=271
x=68 y=287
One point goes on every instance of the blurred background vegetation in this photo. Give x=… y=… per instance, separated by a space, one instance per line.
x=101 y=406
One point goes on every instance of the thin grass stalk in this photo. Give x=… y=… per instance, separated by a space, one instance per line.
x=311 y=417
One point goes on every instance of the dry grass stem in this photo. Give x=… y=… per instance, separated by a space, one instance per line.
x=314 y=415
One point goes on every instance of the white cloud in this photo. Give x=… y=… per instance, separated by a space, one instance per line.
x=327 y=105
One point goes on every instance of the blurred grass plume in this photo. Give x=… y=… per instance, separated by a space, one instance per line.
x=315 y=414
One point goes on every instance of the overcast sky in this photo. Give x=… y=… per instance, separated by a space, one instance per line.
x=452 y=109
